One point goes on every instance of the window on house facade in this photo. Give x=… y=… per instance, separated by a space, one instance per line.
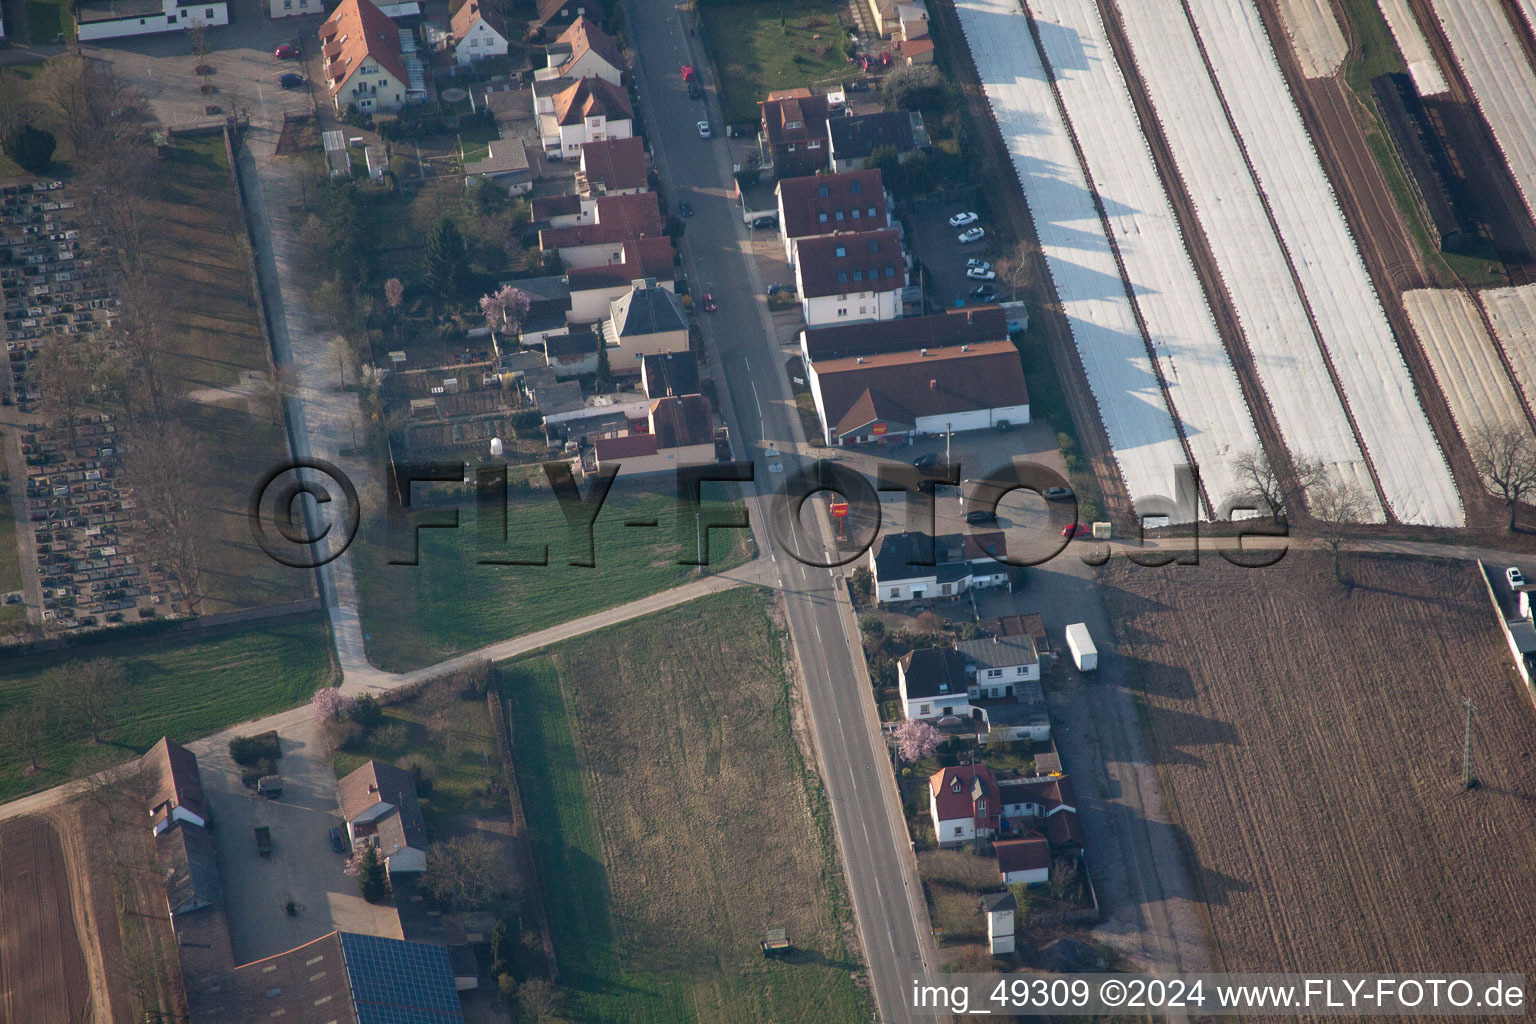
x=994 y=673
x=821 y=191
x=842 y=312
x=924 y=709
x=896 y=592
x=855 y=213
x=856 y=187
x=822 y=217
x=841 y=252
x=790 y=147
x=792 y=125
x=208 y=13
x=959 y=830
x=813 y=144
x=871 y=211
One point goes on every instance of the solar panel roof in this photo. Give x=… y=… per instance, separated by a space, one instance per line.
x=396 y=982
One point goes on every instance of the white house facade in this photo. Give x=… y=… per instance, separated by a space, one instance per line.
x=103 y=23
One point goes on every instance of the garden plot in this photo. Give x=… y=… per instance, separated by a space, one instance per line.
x=1290 y=365
x=1202 y=385
x=1120 y=373
x=1315 y=36
x=1512 y=311
x=1422 y=66
x=1502 y=80
x=1370 y=369
x=1465 y=361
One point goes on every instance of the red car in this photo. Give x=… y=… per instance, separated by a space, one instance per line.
x=709 y=303
x=885 y=58
x=1076 y=530
x=688 y=74
x=286 y=52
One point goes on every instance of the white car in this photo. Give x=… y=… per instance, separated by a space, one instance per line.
x=973 y=235
x=975 y=264
x=704 y=131
x=977 y=274
x=960 y=220
x=1515 y=577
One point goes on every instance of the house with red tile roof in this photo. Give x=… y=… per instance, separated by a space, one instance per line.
x=573 y=111
x=593 y=289
x=478 y=32
x=1026 y=860
x=893 y=397
x=795 y=132
x=361 y=59
x=612 y=167
x=596 y=233
x=963 y=803
x=848 y=277
x=583 y=50
x=825 y=204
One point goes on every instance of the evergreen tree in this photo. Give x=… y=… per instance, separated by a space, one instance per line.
x=31 y=147
x=604 y=371
x=370 y=876
x=445 y=268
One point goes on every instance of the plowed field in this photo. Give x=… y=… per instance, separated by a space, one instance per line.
x=1312 y=739
x=42 y=969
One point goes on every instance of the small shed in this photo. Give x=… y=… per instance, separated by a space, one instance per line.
x=776 y=943
x=1000 y=908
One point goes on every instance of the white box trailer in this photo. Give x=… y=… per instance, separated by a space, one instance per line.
x=1084 y=654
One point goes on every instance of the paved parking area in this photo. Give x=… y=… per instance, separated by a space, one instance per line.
x=936 y=245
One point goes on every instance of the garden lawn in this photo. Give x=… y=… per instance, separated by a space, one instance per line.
x=417 y=615
x=182 y=685
x=759 y=47
x=674 y=822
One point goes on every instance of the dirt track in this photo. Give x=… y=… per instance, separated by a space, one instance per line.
x=1311 y=739
x=42 y=969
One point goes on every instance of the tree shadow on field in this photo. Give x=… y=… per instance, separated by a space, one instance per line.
x=1169 y=681
x=1177 y=731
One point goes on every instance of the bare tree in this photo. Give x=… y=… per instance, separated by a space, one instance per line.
x=167 y=472
x=25 y=729
x=1505 y=457
x=63 y=375
x=96 y=690
x=197 y=37
x=1013 y=270
x=1337 y=506
x=1269 y=486
x=466 y=871
x=538 y=1002
x=91 y=105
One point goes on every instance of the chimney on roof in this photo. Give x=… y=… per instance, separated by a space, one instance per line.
x=922 y=351
x=933 y=384
x=965 y=348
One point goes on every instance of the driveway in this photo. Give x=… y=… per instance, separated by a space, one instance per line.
x=302 y=866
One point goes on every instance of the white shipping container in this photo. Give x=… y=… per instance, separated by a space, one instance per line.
x=1084 y=654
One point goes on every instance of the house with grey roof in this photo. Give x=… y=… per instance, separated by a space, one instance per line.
x=647 y=320
x=851 y=140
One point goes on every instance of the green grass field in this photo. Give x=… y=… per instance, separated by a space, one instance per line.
x=674 y=822
x=418 y=615
x=1378 y=55
x=182 y=686
x=47 y=18
x=754 y=53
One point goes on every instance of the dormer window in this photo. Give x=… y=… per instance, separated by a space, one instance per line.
x=954 y=785
x=856 y=188
x=981 y=807
x=821 y=191
x=822 y=217
x=792 y=125
x=841 y=252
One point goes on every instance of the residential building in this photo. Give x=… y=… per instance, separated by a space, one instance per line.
x=549 y=306
x=1001 y=661
x=380 y=806
x=477 y=32
x=851 y=140
x=907 y=568
x=963 y=803
x=572 y=352
x=1024 y=861
x=553 y=17
x=895 y=397
x=575 y=111
x=844 y=278
x=596 y=233
x=795 y=133
x=647 y=320
x=825 y=204
x=944 y=683
x=505 y=163
x=912 y=19
x=1044 y=804
x=669 y=373
x=362 y=60
x=932 y=683
x=294 y=8
x=583 y=51
x=960 y=325
x=115 y=19
x=884 y=14
x=593 y=289
x=681 y=433
x=612 y=167
x=177 y=795
x=915 y=51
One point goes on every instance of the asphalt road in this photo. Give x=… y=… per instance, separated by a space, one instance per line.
x=758 y=406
